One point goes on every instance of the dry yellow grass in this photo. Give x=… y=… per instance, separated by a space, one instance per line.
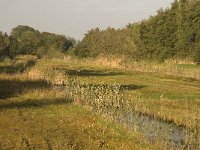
x=35 y=115
x=43 y=118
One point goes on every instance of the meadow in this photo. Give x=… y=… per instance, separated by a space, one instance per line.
x=93 y=104
x=37 y=115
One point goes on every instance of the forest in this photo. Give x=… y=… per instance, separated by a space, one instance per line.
x=26 y=40
x=172 y=33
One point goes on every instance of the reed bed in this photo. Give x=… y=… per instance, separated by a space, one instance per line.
x=111 y=102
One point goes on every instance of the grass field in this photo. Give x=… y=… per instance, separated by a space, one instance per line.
x=169 y=97
x=35 y=115
x=29 y=104
x=55 y=123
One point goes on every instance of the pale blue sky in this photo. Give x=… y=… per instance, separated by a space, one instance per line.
x=75 y=17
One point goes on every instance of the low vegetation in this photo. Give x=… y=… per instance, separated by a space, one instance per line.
x=107 y=90
x=36 y=115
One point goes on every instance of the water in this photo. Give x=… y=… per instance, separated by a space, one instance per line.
x=156 y=130
x=153 y=129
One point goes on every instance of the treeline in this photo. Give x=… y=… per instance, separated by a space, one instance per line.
x=26 y=40
x=172 y=33
x=108 y=42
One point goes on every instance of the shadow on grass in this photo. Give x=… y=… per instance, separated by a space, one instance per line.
x=8 y=69
x=21 y=67
x=9 y=88
x=34 y=103
x=132 y=87
x=122 y=86
x=90 y=72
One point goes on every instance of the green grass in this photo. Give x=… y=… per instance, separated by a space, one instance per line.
x=189 y=66
x=169 y=97
x=28 y=101
x=184 y=95
x=63 y=127
x=36 y=116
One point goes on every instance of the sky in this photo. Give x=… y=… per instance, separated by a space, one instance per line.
x=75 y=17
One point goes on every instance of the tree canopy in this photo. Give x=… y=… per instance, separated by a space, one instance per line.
x=27 y=40
x=172 y=33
